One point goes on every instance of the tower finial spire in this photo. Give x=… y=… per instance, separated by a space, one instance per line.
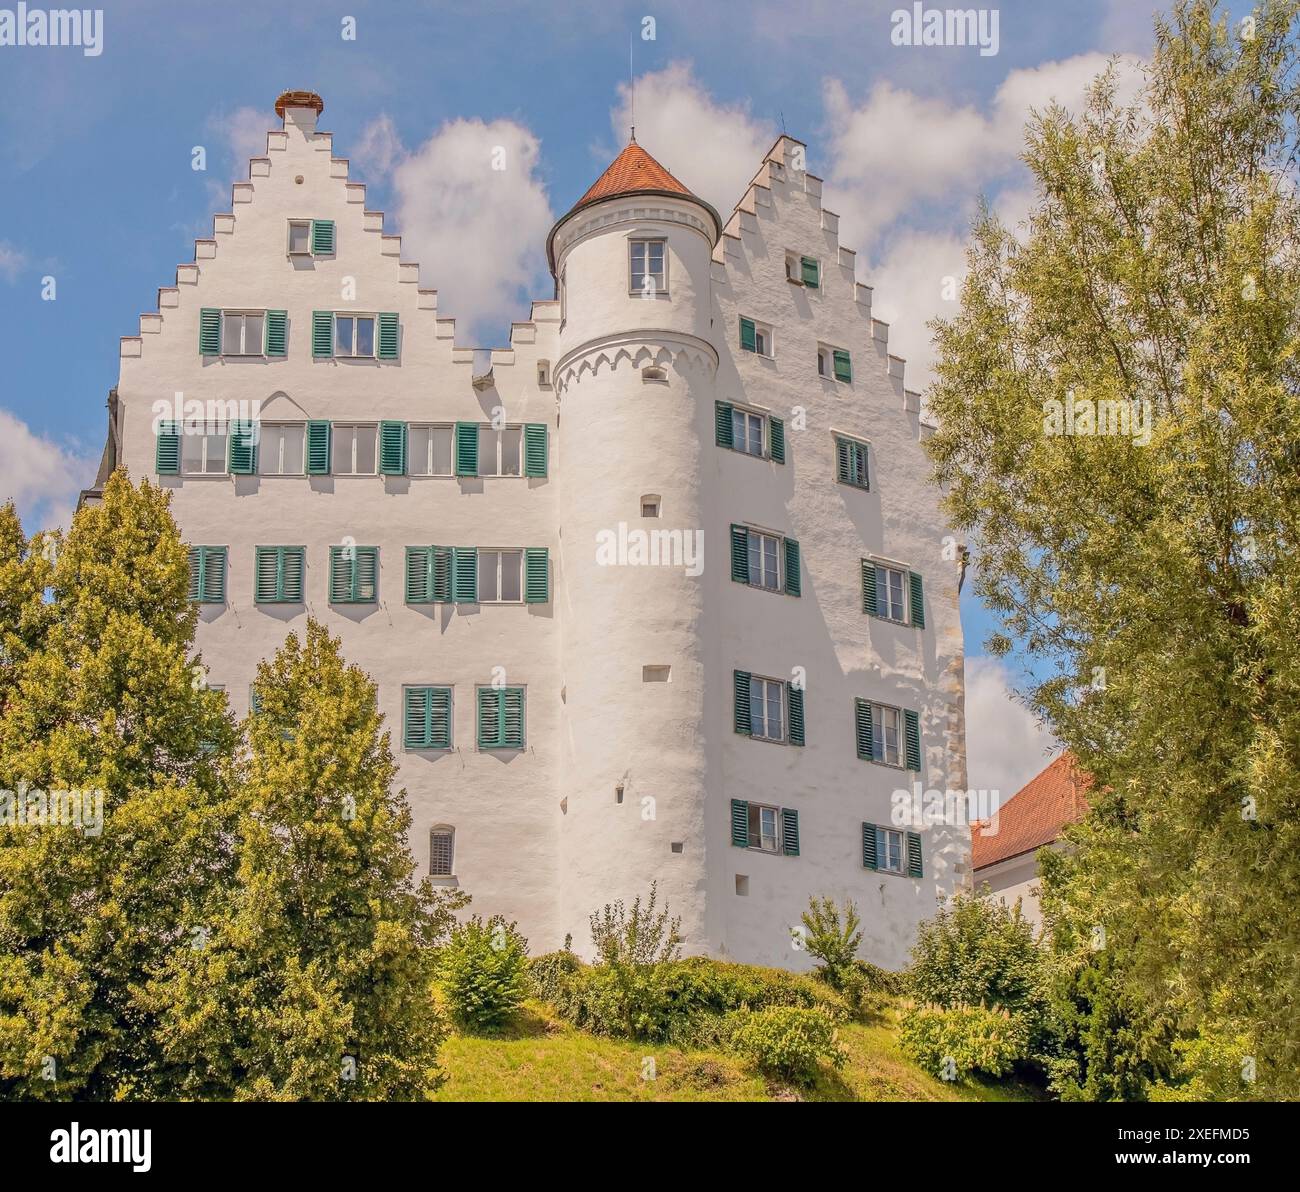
x=631 y=83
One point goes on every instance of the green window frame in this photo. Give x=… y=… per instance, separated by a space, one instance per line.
x=789 y=577
x=208 y=574
x=501 y=718
x=427 y=717
x=279 y=574
x=852 y=463
x=785 y=828
x=909 y=745
x=876 y=851
x=792 y=709
x=354 y=575
x=875 y=602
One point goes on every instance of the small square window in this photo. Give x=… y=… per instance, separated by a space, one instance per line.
x=678 y=846
x=650 y=506
x=742 y=884
x=300 y=237
x=656 y=674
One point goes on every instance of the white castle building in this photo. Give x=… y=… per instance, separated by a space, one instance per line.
x=661 y=592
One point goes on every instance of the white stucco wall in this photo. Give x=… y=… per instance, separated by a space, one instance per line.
x=541 y=836
x=1011 y=881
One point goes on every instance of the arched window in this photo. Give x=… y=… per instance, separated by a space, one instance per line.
x=442 y=850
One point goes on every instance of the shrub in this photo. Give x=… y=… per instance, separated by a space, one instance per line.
x=952 y=1042
x=483 y=972
x=550 y=974
x=787 y=1041
x=831 y=941
x=977 y=952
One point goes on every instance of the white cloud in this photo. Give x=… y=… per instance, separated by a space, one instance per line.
x=1005 y=745
x=243 y=134
x=378 y=150
x=478 y=231
x=12 y=261
x=714 y=149
x=907 y=170
x=39 y=476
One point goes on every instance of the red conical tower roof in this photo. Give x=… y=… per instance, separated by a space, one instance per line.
x=632 y=172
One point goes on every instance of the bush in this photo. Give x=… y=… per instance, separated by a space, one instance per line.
x=482 y=968
x=787 y=1041
x=831 y=941
x=976 y=952
x=952 y=1042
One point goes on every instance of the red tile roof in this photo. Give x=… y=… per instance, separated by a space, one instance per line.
x=1035 y=814
x=631 y=171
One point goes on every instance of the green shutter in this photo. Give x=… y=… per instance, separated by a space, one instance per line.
x=387 y=335
x=208 y=574
x=196 y=574
x=322 y=237
x=916 y=599
x=740 y=554
x=512 y=718
x=440 y=576
x=793 y=578
x=464 y=574
x=743 y=723
x=242 y=447
x=537 y=583
x=467 y=449
x=747 y=341
x=167 y=449
x=342 y=577
x=870 y=854
x=254 y=699
x=869 y=605
x=842 y=472
x=789 y=831
x=322 y=333
x=392 y=448
x=912 y=735
x=739 y=823
x=810 y=271
x=535 y=449
x=796 y=715
x=776 y=439
x=913 y=854
x=209 y=332
x=366 y=575
x=419 y=574
x=488 y=717
x=440 y=718
x=318 y=448
x=843 y=365
x=862 y=729
x=722 y=427
x=277 y=333
x=415 y=717
x=279 y=575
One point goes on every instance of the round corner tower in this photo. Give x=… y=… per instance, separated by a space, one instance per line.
x=634 y=375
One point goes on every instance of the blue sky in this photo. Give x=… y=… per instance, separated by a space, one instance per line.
x=97 y=188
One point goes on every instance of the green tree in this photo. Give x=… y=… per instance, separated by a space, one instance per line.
x=314 y=979
x=1152 y=576
x=484 y=972
x=833 y=937
x=98 y=693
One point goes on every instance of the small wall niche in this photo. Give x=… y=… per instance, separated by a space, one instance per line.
x=742 y=885
x=656 y=674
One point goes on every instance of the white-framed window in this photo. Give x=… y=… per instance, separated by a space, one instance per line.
x=500 y=576
x=889 y=850
x=352 y=451
x=354 y=335
x=824 y=365
x=242 y=332
x=764 y=828
x=500 y=452
x=204 y=447
x=300 y=237
x=767 y=709
x=891 y=593
x=647 y=267
x=429 y=450
x=764 y=560
x=442 y=850
x=747 y=429
x=280 y=452
x=887 y=734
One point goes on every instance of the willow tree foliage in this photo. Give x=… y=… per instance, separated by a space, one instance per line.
x=1120 y=428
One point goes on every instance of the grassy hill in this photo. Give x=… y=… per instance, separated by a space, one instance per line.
x=540 y=1058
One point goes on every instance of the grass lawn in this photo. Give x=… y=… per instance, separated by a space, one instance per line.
x=540 y=1058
